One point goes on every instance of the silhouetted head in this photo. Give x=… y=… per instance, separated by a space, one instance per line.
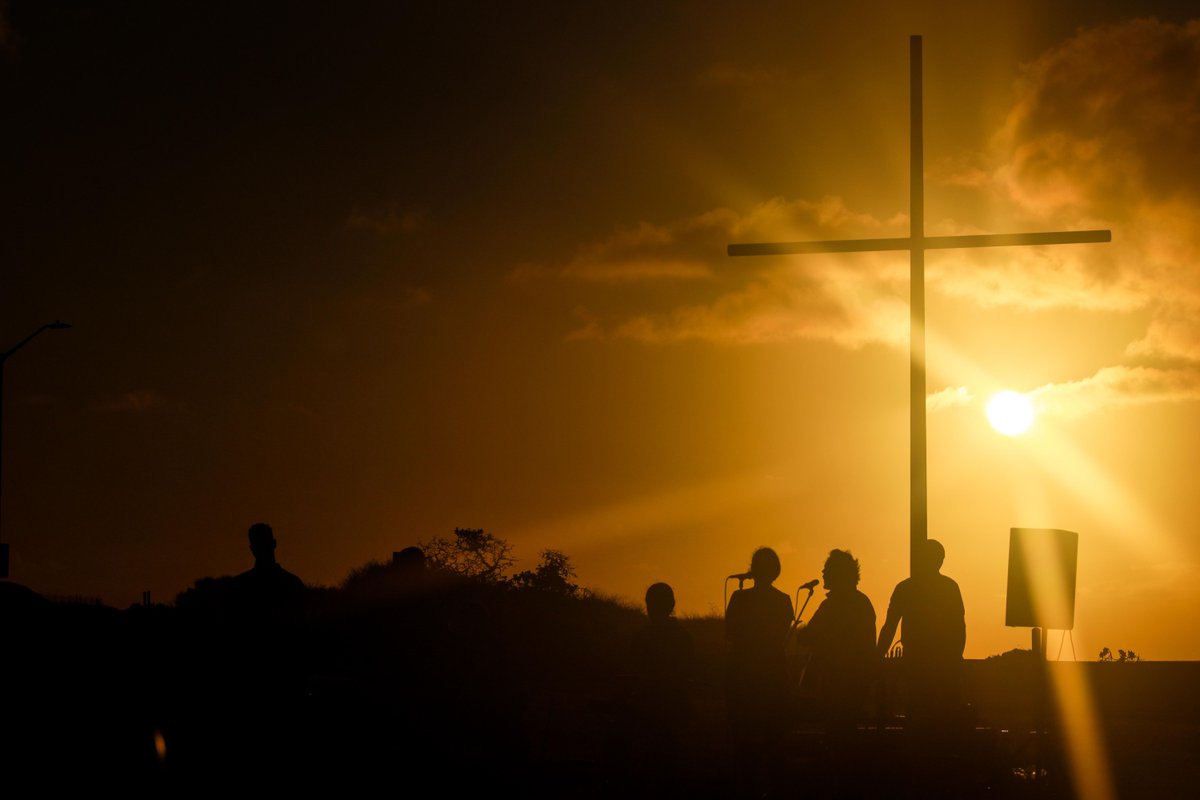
x=660 y=601
x=764 y=566
x=932 y=556
x=841 y=570
x=262 y=543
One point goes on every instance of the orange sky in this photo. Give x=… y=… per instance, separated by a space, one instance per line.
x=373 y=275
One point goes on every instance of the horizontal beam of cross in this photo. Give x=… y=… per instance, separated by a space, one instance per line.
x=920 y=243
x=916 y=244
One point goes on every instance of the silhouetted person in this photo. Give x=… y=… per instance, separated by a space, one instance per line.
x=841 y=636
x=933 y=636
x=663 y=660
x=267 y=593
x=268 y=609
x=757 y=622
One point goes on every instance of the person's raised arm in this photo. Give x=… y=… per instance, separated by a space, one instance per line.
x=888 y=631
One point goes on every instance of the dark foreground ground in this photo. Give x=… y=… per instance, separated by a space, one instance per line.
x=478 y=691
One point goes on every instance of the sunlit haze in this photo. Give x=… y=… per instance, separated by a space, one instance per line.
x=1010 y=413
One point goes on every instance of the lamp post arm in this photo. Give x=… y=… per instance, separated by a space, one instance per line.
x=7 y=353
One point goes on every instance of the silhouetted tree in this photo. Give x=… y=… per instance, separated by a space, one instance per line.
x=552 y=574
x=472 y=553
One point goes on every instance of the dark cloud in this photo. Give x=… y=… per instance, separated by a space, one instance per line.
x=389 y=221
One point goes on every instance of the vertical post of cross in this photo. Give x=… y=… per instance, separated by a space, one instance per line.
x=918 y=507
x=916 y=243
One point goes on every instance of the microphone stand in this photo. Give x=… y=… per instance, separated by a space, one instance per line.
x=741 y=579
x=792 y=630
x=800 y=613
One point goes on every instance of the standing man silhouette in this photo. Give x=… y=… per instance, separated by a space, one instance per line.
x=934 y=635
x=267 y=687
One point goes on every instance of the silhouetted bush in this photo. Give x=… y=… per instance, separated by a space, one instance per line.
x=472 y=553
x=206 y=594
x=552 y=574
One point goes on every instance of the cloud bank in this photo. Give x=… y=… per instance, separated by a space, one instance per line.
x=1101 y=132
x=1115 y=387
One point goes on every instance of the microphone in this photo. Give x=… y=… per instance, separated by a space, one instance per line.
x=811 y=584
x=741 y=576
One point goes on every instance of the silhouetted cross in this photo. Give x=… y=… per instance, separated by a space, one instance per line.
x=916 y=243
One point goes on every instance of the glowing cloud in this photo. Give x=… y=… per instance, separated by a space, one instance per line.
x=1100 y=133
x=780 y=307
x=1117 y=386
x=851 y=304
x=949 y=398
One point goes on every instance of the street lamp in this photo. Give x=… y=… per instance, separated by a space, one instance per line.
x=57 y=325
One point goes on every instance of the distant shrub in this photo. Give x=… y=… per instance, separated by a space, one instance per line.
x=1015 y=655
x=1122 y=656
x=472 y=553
x=206 y=594
x=552 y=574
x=363 y=579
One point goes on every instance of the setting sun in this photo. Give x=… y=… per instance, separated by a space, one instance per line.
x=1010 y=413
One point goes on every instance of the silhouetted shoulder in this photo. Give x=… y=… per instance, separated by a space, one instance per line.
x=272 y=576
x=931 y=610
x=758 y=617
x=845 y=620
x=767 y=599
x=269 y=591
x=934 y=591
x=662 y=642
x=949 y=587
x=862 y=605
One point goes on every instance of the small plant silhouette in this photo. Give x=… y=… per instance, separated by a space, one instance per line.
x=1106 y=655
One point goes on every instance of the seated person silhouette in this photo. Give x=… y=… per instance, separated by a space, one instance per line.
x=930 y=607
x=757 y=622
